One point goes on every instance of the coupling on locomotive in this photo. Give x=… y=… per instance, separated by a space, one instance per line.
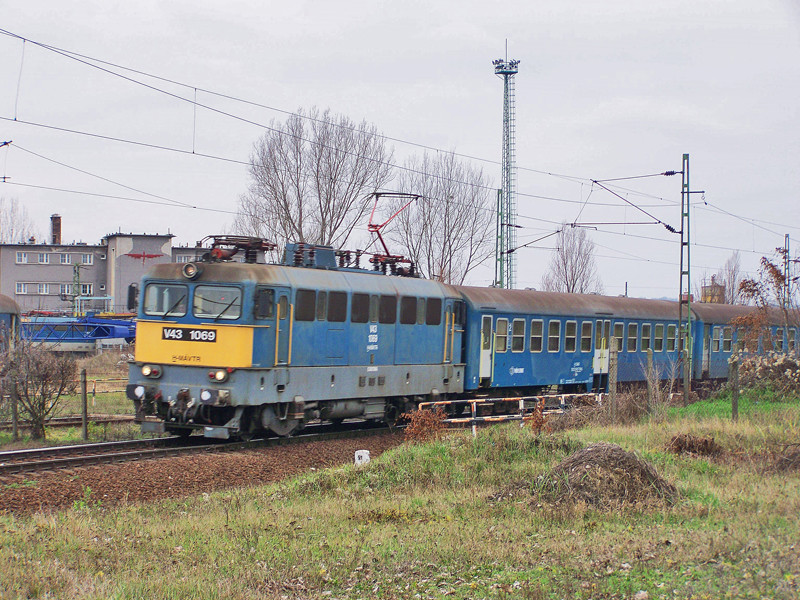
x=237 y=348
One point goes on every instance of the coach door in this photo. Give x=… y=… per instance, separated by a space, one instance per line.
x=486 y=350
x=706 y=350
x=283 y=327
x=602 y=335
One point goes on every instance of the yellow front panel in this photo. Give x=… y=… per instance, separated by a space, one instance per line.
x=200 y=345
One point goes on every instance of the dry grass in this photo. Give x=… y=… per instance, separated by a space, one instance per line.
x=686 y=443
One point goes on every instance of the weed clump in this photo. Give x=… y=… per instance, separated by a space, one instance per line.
x=788 y=459
x=425 y=425
x=774 y=370
x=686 y=443
x=603 y=475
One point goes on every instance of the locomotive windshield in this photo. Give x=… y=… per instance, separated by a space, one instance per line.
x=217 y=302
x=163 y=299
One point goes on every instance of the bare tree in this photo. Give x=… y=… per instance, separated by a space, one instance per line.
x=38 y=379
x=448 y=231
x=774 y=287
x=572 y=266
x=311 y=178
x=15 y=224
x=731 y=278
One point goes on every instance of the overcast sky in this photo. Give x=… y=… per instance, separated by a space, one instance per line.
x=605 y=89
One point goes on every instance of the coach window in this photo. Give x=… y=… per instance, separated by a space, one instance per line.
x=306 y=305
x=408 y=310
x=779 y=339
x=658 y=343
x=586 y=336
x=265 y=298
x=571 y=336
x=791 y=333
x=727 y=339
x=501 y=335
x=217 y=302
x=420 y=311
x=716 y=339
x=359 y=309
x=619 y=333
x=554 y=336
x=433 y=311
x=387 y=311
x=322 y=305
x=632 y=336
x=165 y=300
x=337 y=307
x=644 y=345
x=537 y=328
x=518 y=335
x=672 y=335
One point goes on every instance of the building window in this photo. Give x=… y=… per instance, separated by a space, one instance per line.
x=537 y=328
x=66 y=259
x=672 y=338
x=518 y=335
x=183 y=258
x=554 y=336
x=586 y=336
x=65 y=288
x=632 y=336
x=44 y=258
x=22 y=288
x=22 y=257
x=43 y=288
x=87 y=259
x=501 y=335
x=86 y=289
x=571 y=336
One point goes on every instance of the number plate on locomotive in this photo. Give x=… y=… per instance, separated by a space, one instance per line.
x=186 y=334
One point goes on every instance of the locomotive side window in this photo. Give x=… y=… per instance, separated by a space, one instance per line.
x=571 y=336
x=586 y=336
x=537 y=328
x=460 y=312
x=619 y=332
x=265 y=298
x=658 y=343
x=645 y=343
x=420 y=311
x=322 y=305
x=306 y=305
x=501 y=335
x=672 y=338
x=554 y=336
x=632 y=336
x=408 y=310
x=433 y=312
x=161 y=299
x=283 y=307
x=359 y=309
x=387 y=310
x=337 y=307
x=518 y=335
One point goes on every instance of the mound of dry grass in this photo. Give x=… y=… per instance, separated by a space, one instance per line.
x=603 y=475
x=686 y=443
x=788 y=459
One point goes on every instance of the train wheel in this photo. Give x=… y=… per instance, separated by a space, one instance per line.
x=280 y=427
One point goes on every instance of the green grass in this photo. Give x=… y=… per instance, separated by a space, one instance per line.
x=425 y=521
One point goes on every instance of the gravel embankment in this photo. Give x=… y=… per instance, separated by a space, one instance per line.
x=181 y=476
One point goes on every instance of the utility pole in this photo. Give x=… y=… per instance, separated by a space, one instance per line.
x=685 y=298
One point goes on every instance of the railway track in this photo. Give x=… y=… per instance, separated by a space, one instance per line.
x=73 y=421
x=69 y=457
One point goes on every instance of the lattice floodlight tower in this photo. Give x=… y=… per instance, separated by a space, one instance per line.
x=505 y=274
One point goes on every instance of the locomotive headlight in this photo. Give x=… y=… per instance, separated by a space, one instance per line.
x=191 y=270
x=151 y=371
x=218 y=375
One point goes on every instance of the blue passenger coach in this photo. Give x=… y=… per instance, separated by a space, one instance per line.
x=9 y=323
